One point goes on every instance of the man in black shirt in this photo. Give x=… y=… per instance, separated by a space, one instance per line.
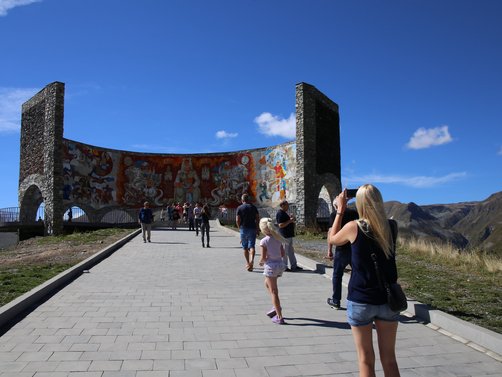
x=342 y=257
x=286 y=223
x=247 y=219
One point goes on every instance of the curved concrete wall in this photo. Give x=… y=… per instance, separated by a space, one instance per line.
x=64 y=173
x=102 y=177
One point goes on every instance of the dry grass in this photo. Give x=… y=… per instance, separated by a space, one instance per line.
x=474 y=258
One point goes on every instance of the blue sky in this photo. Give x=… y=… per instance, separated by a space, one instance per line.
x=419 y=83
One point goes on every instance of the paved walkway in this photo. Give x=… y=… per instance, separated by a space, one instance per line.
x=172 y=308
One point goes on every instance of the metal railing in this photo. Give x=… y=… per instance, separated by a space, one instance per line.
x=9 y=215
x=78 y=215
x=127 y=215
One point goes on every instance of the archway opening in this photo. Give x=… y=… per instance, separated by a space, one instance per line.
x=40 y=212
x=75 y=214
x=32 y=205
x=324 y=205
x=119 y=216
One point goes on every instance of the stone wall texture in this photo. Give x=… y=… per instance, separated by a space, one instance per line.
x=317 y=151
x=41 y=169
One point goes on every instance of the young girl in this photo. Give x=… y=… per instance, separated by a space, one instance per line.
x=272 y=253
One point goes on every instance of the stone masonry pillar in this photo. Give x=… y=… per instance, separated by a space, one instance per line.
x=42 y=154
x=317 y=151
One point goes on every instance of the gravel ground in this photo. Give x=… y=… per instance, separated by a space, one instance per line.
x=313 y=249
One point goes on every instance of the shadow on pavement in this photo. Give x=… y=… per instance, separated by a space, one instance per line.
x=317 y=322
x=169 y=243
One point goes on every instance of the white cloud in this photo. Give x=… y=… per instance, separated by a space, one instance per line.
x=419 y=181
x=11 y=100
x=226 y=135
x=6 y=5
x=272 y=125
x=426 y=138
x=500 y=151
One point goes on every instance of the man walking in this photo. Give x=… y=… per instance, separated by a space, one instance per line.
x=247 y=220
x=342 y=257
x=197 y=214
x=286 y=223
x=145 y=220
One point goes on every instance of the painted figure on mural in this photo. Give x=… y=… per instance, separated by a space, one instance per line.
x=205 y=173
x=231 y=181
x=102 y=164
x=168 y=175
x=263 y=190
x=142 y=182
x=187 y=182
x=280 y=173
x=282 y=189
x=88 y=175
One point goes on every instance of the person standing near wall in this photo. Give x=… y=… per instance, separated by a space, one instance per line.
x=247 y=219
x=162 y=214
x=170 y=208
x=204 y=227
x=342 y=258
x=286 y=223
x=191 y=223
x=197 y=213
x=145 y=219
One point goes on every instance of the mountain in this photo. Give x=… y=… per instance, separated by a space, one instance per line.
x=476 y=225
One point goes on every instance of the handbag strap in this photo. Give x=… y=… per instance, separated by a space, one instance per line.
x=382 y=283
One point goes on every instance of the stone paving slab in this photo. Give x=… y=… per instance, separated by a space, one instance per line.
x=172 y=308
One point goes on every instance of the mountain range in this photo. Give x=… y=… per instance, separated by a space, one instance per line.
x=467 y=225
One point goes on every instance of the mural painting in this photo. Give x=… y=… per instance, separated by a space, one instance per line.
x=89 y=175
x=276 y=175
x=101 y=178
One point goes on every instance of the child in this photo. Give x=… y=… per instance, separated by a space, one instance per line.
x=272 y=253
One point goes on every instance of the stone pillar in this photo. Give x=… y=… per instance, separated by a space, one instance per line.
x=41 y=157
x=317 y=151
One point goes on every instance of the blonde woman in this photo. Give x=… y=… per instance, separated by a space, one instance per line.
x=272 y=254
x=373 y=233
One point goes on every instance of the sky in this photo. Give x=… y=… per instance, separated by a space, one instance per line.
x=418 y=83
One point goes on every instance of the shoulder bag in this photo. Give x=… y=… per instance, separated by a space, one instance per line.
x=395 y=295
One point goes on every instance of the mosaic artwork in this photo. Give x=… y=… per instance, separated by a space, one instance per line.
x=101 y=177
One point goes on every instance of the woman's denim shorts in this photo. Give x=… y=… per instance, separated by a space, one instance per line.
x=365 y=314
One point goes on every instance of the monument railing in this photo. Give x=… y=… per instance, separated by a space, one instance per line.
x=117 y=216
x=128 y=215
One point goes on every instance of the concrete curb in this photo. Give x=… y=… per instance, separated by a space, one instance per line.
x=11 y=312
x=447 y=324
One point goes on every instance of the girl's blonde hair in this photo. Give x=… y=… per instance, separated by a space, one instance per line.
x=369 y=205
x=267 y=227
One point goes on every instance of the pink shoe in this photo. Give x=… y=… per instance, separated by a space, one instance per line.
x=279 y=321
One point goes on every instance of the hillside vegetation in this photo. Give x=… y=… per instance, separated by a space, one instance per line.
x=467 y=226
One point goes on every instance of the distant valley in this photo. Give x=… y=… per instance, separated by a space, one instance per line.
x=468 y=225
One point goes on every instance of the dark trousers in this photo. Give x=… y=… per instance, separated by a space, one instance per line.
x=340 y=261
x=198 y=223
x=191 y=225
x=204 y=228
